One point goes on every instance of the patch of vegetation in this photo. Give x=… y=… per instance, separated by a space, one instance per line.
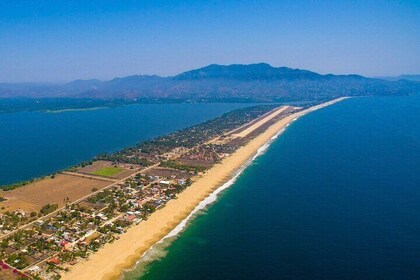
x=80 y=165
x=105 y=196
x=18 y=260
x=108 y=171
x=47 y=209
x=185 y=167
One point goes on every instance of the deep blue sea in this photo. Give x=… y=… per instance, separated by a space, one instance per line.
x=336 y=196
x=34 y=144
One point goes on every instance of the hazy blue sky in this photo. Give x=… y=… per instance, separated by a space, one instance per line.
x=65 y=40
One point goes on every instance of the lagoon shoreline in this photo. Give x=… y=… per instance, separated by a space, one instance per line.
x=111 y=260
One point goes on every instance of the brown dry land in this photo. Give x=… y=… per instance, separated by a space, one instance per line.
x=54 y=191
x=7 y=274
x=97 y=165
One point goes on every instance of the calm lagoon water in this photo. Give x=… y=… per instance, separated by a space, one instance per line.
x=336 y=196
x=34 y=144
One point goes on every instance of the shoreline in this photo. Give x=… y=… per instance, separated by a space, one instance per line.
x=74 y=110
x=113 y=259
x=206 y=202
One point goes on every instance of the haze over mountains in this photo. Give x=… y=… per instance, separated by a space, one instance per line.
x=254 y=82
x=415 y=78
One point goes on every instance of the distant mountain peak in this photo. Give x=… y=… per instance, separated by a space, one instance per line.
x=257 y=71
x=134 y=78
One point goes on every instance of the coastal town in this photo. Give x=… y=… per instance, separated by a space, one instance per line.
x=49 y=225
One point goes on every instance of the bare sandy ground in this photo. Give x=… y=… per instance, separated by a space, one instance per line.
x=54 y=191
x=112 y=259
x=260 y=122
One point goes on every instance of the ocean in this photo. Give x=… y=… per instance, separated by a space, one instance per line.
x=34 y=144
x=335 y=196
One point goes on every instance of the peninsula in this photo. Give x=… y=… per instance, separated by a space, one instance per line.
x=97 y=219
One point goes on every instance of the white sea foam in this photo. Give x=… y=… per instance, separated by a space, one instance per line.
x=151 y=253
x=202 y=205
x=278 y=133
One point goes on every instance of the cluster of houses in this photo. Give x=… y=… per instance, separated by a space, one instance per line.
x=203 y=154
x=11 y=220
x=50 y=246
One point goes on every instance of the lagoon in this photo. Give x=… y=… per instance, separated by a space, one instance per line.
x=34 y=144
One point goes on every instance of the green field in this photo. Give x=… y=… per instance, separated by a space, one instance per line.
x=108 y=171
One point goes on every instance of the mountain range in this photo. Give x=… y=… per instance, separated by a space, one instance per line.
x=254 y=83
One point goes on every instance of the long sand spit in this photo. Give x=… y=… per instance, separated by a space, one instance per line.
x=111 y=260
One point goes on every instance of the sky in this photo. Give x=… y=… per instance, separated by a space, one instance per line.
x=59 y=41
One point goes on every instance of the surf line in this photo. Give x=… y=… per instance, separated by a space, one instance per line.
x=210 y=199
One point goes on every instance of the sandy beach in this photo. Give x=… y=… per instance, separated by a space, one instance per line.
x=110 y=261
